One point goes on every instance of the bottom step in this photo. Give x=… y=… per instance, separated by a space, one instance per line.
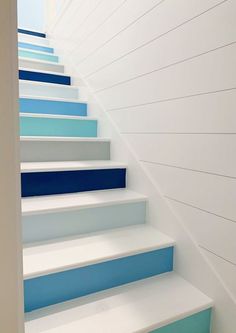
x=164 y=304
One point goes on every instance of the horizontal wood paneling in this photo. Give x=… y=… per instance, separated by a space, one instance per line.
x=210 y=72
x=216 y=152
x=163 y=37
x=215 y=194
x=207 y=113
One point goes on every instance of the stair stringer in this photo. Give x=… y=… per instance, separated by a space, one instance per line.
x=189 y=262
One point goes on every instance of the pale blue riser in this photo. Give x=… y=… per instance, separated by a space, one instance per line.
x=38 y=56
x=59 y=287
x=46 y=151
x=35 y=126
x=41 y=106
x=35 y=47
x=44 y=227
x=28 y=88
x=197 y=323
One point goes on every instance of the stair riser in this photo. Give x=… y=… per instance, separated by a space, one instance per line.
x=63 y=286
x=31 y=64
x=44 y=227
x=40 y=106
x=60 y=182
x=38 y=56
x=197 y=323
x=54 y=91
x=49 y=151
x=32 y=39
x=35 y=126
x=35 y=47
x=32 y=33
x=44 y=77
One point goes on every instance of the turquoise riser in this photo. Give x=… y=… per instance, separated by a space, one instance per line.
x=197 y=323
x=28 y=105
x=38 y=56
x=34 y=126
x=59 y=287
x=35 y=47
x=42 y=227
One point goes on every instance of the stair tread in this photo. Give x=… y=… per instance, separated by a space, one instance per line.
x=46 y=84
x=56 y=99
x=56 y=64
x=63 y=202
x=137 y=307
x=70 y=165
x=65 y=254
x=62 y=138
x=42 y=71
x=57 y=116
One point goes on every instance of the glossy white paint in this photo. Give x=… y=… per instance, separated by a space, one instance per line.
x=164 y=76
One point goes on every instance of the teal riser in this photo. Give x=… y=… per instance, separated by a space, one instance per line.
x=42 y=106
x=38 y=56
x=35 y=126
x=197 y=323
x=59 y=287
x=43 y=227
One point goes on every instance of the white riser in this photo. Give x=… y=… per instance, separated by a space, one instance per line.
x=65 y=150
x=40 y=65
x=33 y=39
x=28 y=88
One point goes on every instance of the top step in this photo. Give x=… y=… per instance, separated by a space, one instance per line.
x=32 y=33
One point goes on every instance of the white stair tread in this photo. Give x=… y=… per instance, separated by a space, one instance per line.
x=58 y=116
x=41 y=61
x=47 y=84
x=138 y=307
x=42 y=71
x=56 y=99
x=62 y=138
x=70 y=165
x=56 y=256
x=64 y=202
x=36 y=51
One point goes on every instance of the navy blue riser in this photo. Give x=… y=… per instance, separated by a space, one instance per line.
x=44 y=77
x=28 y=105
x=59 y=287
x=32 y=33
x=59 y=182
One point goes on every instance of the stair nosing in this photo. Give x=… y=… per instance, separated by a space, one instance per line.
x=56 y=116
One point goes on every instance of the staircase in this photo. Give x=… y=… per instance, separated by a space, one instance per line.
x=91 y=263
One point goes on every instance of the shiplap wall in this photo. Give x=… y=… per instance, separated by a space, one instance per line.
x=165 y=73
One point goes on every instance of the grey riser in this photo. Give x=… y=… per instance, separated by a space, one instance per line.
x=48 y=226
x=31 y=64
x=47 y=151
x=47 y=90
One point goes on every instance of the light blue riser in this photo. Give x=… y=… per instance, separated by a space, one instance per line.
x=28 y=88
x=44 y=227
x=41 y=106
x=35 y=47
x=35 y=126
x=197 y=323
x=59 y=287
x=38 y=56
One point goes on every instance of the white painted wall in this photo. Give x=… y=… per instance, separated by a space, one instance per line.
x=31 y=14
x=11 y=281
x=164 y=75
